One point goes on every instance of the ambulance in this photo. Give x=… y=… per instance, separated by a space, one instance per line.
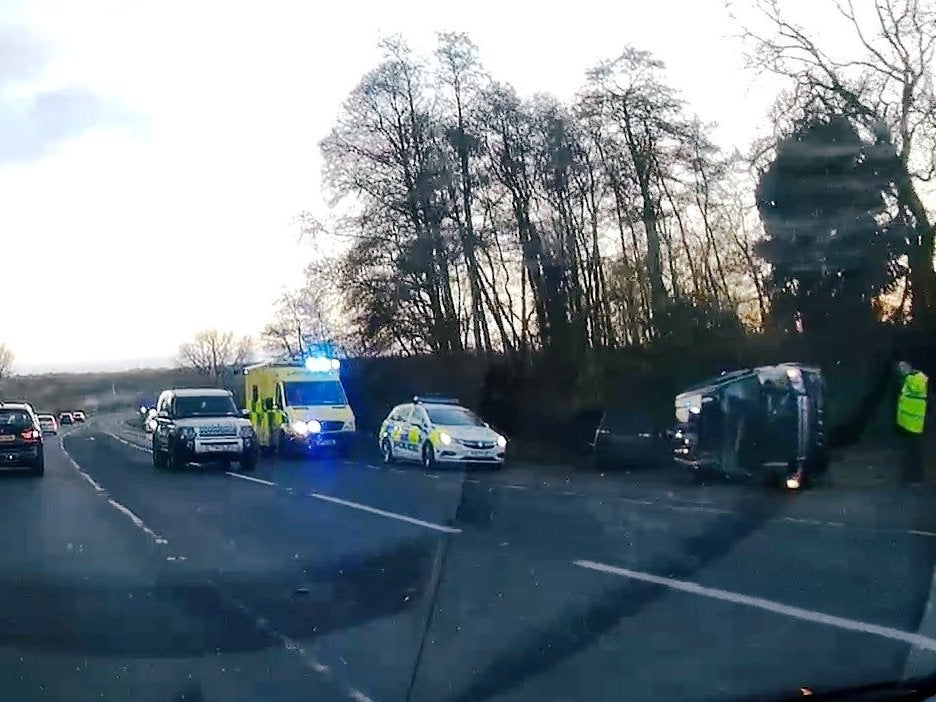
x=299 y=406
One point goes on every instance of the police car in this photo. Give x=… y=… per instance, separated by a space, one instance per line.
x=437 y=430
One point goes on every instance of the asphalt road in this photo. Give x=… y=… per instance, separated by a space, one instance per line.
x=325 y=579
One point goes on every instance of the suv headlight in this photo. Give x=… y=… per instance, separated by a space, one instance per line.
x=299 y=427
x=246 y=431
x=187 y=433
x=501 y=441
x=314 y=426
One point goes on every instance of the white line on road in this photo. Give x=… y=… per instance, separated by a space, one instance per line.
x=373 y=467
x=250 y=478
x=84 y=475
x=631 y=500
x=263 y=624
x=129 y=443
x=137 y=522
x=384 y=513
x=797 y=520
x=698 y=508
x=921 y=533
x=511 y=486
x=767 y=605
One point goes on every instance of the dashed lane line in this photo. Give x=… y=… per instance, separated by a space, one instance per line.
x=129 y=443
x=385 y=513
x=808 y=615
x=250 y=478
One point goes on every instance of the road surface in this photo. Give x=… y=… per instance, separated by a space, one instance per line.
x=326 y=579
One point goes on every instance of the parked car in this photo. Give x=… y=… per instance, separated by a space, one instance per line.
x=627 y=438
x=21 y=437
x=79 y=416
x=48 y=424
x=66 y=418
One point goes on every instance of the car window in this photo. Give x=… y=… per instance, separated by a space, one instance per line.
x=204 y=406
x=454 y=416
x=15 y=420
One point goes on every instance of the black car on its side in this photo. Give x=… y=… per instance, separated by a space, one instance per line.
x=20 y=438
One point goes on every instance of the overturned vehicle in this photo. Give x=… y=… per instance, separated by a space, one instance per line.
x=763 y=423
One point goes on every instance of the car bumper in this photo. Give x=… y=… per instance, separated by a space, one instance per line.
x=19 y=455
x=326 y=440
x=460 y=454
x=213 y=450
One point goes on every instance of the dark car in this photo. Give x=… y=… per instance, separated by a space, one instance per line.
x=765 y=422
x=626 y=438
x=21 y=438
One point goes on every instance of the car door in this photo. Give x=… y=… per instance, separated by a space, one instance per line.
x=399 y=432
x=163 y=423
x=417 y=430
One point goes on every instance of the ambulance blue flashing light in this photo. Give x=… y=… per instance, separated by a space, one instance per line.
x=321 y=365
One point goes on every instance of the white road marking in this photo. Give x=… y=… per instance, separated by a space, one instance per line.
x=129 y=443
x=384 y=513
x=511 y=486
x=84 y=475
x=767 y=605
x=921 y=533
x=250 y=478
x=432 y=475
x=373 y=467
x=625 y=499
x=137 y=522
x=295 y=647
x=698 y=508
x=796 y=520
x=396 y=470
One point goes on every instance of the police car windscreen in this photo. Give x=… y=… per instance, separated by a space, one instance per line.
x=14 y=420
x=453 y=417
x=206 y=406
x=307 y=393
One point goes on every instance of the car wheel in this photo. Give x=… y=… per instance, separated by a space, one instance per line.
x=159 y=458
x=38 y=468
x=428 y=457
x=172 y=460
x=387 y=449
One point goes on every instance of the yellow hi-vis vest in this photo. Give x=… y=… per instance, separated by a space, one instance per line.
x=911 y=407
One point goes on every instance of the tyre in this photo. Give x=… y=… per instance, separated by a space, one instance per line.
x=159 y=458
x=248 y=461
x=428 y=457
x=38 y=468
x=386 y=449
x=173 y=463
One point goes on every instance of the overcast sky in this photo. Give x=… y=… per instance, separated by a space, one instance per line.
x=154 y=153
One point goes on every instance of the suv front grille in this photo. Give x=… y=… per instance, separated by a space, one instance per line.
x=217 y=430
x=332 y=425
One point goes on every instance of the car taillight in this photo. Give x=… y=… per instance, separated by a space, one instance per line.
x=31 y=435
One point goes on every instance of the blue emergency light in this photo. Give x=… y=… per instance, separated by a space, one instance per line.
x=318 y=364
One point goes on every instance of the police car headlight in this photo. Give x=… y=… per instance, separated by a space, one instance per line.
x=300 y=428
x=445 y=438
x=501 y=441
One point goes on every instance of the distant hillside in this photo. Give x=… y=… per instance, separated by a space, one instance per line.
x=56 y=392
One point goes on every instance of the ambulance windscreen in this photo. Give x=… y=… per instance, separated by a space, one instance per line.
x=319 y=392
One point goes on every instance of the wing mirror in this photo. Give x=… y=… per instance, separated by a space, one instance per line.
x=245 y=413
x=162 y=414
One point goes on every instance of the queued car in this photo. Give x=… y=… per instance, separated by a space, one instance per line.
x=79 y=416
x=202 y=425
x=21 y=438
x=66 y=418
x=439 y=431
x=48 y=424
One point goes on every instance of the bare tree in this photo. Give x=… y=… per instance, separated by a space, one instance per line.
x=886 y=87
x=212 y=352
x=6 y=361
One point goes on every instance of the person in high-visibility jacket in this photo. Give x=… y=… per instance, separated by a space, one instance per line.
x=911 y=420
